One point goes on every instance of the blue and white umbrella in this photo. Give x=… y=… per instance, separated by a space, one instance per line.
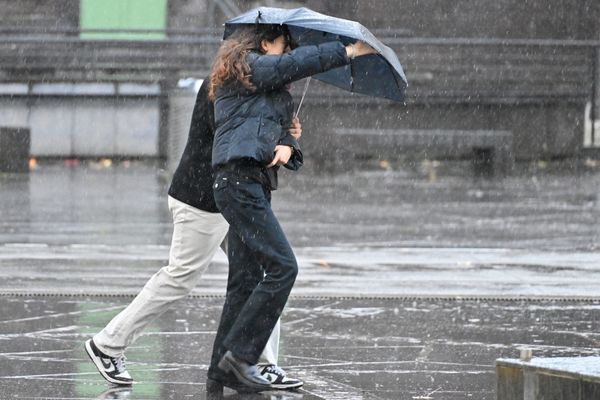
x=379 y=75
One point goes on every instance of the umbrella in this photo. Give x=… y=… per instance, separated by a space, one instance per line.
x=378 y=75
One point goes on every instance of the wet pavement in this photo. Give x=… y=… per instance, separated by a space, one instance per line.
x=342 y=348
x=413 y=279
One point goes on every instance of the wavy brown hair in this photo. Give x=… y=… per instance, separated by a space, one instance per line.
x=230 y=63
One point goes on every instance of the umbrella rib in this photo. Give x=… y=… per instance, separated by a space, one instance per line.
x=351 y=77
x=303 y=94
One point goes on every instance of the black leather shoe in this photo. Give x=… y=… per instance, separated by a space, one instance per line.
x=247 y=374
x=216 y=382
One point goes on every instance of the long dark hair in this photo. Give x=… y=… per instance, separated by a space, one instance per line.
x=230 y=62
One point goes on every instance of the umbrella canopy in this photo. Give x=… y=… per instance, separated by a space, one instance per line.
x=379 y=75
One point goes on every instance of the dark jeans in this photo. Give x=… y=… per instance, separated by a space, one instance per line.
x=262 y=268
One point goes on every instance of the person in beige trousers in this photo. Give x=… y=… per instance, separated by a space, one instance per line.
x=198 y=231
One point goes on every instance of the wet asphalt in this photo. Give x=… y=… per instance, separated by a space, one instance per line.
x=414 y=278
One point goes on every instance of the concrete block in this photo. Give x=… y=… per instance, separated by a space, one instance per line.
x=94 y=128
x=137 y=128
x=560 y=378
x=51 y=122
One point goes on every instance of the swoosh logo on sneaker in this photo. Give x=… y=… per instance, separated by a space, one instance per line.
x=271 y=377
x=107 y=364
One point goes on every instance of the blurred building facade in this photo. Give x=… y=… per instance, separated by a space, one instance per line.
x=94 y=77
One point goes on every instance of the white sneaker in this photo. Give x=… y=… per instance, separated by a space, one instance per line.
x=111 y=368
x=278 y=377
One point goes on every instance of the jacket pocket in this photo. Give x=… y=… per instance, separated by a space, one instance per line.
x=268 y=137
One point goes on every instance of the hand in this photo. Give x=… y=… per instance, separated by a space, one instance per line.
x=296 y=128
x=358 y=49
x=282 y=155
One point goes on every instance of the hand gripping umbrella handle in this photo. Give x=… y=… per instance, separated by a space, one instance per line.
x=302 y=99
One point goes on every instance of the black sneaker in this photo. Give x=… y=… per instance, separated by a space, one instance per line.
x=278 y=377
x=111 y=368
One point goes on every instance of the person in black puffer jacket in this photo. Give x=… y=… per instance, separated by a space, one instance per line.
x=253 y=109
x=198 y=231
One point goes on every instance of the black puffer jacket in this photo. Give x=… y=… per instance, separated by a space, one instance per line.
x=249 y=124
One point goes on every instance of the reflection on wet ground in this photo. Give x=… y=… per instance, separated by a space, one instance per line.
x=411 y=283
x=342 y=348
x=401 y=207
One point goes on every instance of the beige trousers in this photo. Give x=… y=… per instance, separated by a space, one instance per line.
x=197 y=235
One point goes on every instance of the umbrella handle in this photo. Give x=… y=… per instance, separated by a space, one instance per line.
x=302 y=99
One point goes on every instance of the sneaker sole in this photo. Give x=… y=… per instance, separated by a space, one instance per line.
x=287 y=387
x=100 y=368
